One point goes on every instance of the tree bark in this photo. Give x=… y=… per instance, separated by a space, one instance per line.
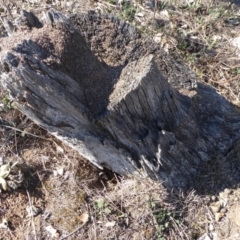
x=118 y=99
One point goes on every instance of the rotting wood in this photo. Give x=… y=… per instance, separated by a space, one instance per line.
x=93 y=82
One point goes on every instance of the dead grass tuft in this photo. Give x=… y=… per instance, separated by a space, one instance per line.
x=64 y=185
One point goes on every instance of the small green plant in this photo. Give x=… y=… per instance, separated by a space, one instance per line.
x=191 y=58
x=163 y=218
x=112 y=1
x=218 y=12
x=102 y=206
x=189 y=6
x=7 y=102
x=161 y=5
x=236 y=71
x=182 y=45
x=10 y=176
x=151 y=203
x=128 y=11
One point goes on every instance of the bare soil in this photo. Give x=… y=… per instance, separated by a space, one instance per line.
x=61 y=185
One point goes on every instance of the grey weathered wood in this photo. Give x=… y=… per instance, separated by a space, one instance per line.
x=120 y=108
x=28 y=19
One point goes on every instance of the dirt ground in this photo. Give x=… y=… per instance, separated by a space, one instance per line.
x=62 y=196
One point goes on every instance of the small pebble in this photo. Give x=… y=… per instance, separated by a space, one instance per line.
x=211 y=227
x=215 y=207
x=214 y=198
x=218 y=216
x=236 y=235
x=149 y=5
x=223 y=210
x=226 y=190
x=236 y=199
x=223 y=195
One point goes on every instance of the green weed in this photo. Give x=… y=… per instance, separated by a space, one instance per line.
x=112 y=1
x=128 y=11
x=163 y=217
x=102 y=207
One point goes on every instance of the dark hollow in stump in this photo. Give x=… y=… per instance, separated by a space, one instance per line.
x=93 y=82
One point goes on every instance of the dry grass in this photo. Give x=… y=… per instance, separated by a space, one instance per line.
x=64 y=185
x=198 y=33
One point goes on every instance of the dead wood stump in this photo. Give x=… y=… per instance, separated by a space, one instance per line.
x=93 y=82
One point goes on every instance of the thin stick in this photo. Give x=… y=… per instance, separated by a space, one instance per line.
x=18 y=130
x=30 y=134
x=70 y=234
x=34 y=229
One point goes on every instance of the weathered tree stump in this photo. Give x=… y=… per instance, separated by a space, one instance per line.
x=93 y=82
